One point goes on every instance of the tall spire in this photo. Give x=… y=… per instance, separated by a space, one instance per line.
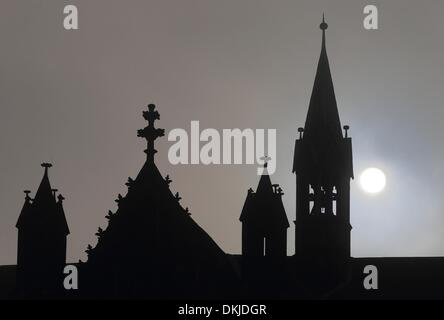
x=150 y=133
x=322 y=126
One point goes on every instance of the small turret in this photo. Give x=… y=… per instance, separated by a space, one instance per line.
x=42 y=232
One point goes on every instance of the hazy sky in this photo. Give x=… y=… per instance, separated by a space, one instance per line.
x=75 y=98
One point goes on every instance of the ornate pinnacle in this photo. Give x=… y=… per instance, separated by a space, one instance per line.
x=346 y=128
x=61 y=198
x=301 y=131
x=27 y=197
x=46 y=165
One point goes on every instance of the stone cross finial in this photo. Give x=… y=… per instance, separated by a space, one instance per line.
x=265 y=159
x=150 y=133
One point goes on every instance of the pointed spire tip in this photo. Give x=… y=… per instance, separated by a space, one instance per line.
x=323 y=25
x=46 y=165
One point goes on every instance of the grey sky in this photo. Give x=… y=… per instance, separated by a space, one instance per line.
x=76 y=98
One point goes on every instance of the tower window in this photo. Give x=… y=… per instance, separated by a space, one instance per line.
x=334 y=200
x=311 y=199
x=265 y=247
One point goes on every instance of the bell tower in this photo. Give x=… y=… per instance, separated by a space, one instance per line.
x=323 y=166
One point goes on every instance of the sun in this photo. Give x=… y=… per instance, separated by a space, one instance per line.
x=372 y=180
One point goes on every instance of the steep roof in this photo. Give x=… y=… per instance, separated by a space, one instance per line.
x=323 y=126
x=151 y=234
x=43 y=213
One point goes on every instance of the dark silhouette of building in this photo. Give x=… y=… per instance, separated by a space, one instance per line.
x=152 y=248
x=323 y=167
x=42 y=232
x=264 y=221
x=264 y=240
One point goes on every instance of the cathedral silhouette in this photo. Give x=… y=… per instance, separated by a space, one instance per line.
x=152 y=248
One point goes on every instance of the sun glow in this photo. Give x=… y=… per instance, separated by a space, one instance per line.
x=372 y=180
